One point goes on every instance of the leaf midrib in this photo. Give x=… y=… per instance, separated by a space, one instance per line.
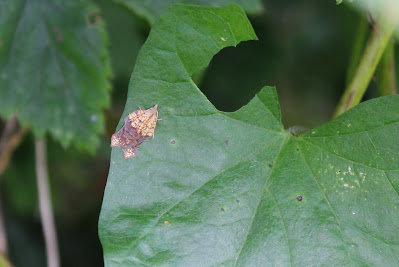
x=260 y=200
x=328 y=202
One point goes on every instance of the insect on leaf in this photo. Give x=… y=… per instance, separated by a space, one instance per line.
x=139 y=127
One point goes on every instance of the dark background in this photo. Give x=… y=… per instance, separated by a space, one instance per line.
x=303 y=50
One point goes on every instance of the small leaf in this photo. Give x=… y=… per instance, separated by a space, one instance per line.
x=54 y=68
x=236 y=189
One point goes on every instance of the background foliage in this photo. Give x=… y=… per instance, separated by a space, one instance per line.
x=54 y=68
x=303 y=49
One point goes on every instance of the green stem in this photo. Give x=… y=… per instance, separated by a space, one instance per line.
x=356 y=88
x=386 y=74
x=361 y=34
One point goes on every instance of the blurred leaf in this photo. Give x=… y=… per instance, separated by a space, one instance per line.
x=215 y=188
x=54 y=69
x=152 y=9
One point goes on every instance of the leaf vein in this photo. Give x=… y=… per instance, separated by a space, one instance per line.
x=338 y=135
x=258 y=204
x=360 y=163
x=328 y=202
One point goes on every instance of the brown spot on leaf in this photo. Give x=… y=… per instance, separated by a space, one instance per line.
x=139 y=127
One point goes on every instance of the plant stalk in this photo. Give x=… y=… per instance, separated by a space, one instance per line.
x=368 y=63
x=10 y=139
x=386 y=73
x=359 y=42
x=46 y=212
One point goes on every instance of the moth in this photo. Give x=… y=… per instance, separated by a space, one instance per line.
x=139 y=127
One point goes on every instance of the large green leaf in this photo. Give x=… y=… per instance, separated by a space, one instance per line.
x=152 y=9
x=225 y=189
x=54 y=68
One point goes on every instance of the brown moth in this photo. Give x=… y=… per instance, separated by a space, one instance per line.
x=139 y=127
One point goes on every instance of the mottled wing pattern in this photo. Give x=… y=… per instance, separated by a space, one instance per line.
x=139 y=127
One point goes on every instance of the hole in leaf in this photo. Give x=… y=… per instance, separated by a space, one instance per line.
x=236 y=74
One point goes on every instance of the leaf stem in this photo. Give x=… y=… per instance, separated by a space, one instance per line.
x=386 y=74
x=10 y=139
x=46 y=212
x=374 y=49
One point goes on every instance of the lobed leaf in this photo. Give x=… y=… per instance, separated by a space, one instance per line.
x=235 y=189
